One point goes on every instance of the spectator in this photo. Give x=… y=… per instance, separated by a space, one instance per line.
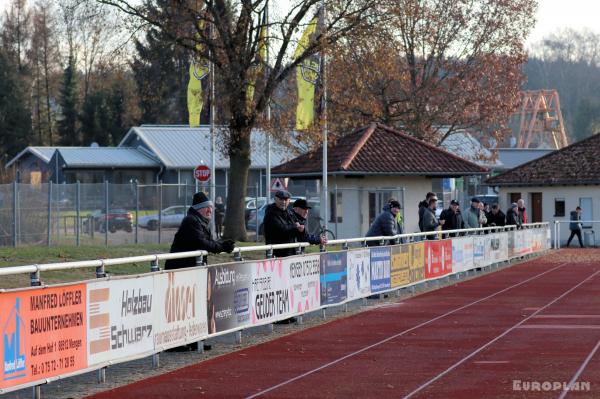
x=474 y=217
x=280 y=226
x=422 y=206
x=522 y=211
x=194 y=234
x=452 y=218
x=575 y=226
x=430 y=221
x=512 y=216
x=300 y=213
x=219 y=216
x=399 y=221
x=385 y=224
x=496 y=217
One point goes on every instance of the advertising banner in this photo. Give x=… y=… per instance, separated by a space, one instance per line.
x=270 y=291
x=43 y=333
x=333 y=277
x=439 y=258
x=304 y=272
x=447 y=256
x=496 y=248
x=380 y=269
x=462 y=254
x=180 y=313
x=359 y=273
x=400 y=265
x=479 y=251
x=121 y=319
x=228 y=296
x=417 y=261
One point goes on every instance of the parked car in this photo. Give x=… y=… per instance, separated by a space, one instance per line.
x=118 y=219
x=251 y=206
x=170 y=217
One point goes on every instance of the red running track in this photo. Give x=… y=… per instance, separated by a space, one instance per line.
x=496 y=336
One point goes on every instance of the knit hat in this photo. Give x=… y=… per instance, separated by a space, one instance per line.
x=395 y=204
x=200 y=201
x=514 y=205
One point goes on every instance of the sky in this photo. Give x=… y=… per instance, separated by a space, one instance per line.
x=552 y=15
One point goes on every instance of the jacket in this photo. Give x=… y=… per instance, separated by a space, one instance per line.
x=523 y=215
x=193 y=234
x=513 y=219
x=384 y=225
x=575 y=221
x=280 y=228
x=471 y=218
x=304 y=236
x=422 y=206
x=497 y=220
x=430 y=221
x=454 y=221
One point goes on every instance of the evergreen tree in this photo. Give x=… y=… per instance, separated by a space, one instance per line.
x=67 y=125
x=15 y=116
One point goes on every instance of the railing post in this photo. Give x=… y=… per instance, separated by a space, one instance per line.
x=102 y=375
x=345 y=246
x=298 y=250
x=238 y=256
x=154 y=265
x=100 y=271
x=34 y=278
x=37 y=392
x=201 y=260
x=269 y=253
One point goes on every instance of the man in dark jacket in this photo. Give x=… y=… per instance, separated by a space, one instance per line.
x=280 y=226
x=422 y=206
x=575 y=226
x=385 y=224
x=452 y=218
x=194 y=234
x=512 y=216
x=496 y=217
x=430 y=221
x=300 y=213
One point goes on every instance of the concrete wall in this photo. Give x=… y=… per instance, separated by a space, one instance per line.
x=572 y=196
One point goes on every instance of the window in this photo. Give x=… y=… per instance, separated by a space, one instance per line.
x=559 y=207
x=336 y=209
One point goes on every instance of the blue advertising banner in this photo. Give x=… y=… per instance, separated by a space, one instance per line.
x=380 y=269
x=333 y=277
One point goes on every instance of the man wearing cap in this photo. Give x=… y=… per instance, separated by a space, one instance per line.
x=512 y=216
x=300 y=213
x=194 y=234
x=385 y=224
x=474 y=217
x=280 y=227
x=452 y=218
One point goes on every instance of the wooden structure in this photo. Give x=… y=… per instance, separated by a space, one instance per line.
x=540 y=120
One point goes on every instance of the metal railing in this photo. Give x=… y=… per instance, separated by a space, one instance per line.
x=584 y=230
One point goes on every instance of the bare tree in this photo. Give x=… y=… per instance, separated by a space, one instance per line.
x=232 y=46
x=16 y=31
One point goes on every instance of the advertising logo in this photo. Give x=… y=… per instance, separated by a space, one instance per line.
x=14 y=344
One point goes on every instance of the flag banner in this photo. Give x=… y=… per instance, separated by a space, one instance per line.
x=307 y=74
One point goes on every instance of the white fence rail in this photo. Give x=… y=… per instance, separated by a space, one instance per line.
x=53 y=332
x=588 y=232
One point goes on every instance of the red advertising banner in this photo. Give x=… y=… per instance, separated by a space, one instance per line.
x=438 y=257
x=44 y=333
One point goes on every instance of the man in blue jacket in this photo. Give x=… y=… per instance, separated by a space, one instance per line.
x=385 y=224
x=575 y=226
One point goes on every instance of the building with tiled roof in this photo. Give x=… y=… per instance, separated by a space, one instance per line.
x=556 y=183
x=369 y=166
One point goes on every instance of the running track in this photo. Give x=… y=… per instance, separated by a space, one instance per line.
x=534 y=322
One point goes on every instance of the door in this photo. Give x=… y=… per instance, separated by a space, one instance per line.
x=536 y=208
x=513 y=197
x=376 y=202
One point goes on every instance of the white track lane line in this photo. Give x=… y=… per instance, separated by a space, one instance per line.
x=578 y=373
x=455 y=365
x=366 y=348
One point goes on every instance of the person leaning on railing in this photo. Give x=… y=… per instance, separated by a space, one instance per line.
x=452 y=218
x=194 y=234
x=300 y=210
x=512 y=216
x=385 y=224
x=280 y=226
x=430 y=221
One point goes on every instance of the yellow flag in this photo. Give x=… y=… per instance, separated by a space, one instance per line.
x=307 y=74
x=195 y=101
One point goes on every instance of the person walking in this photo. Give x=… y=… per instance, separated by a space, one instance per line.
x=194 y=234
x=385 y=224
x=452 y=218
x=280 y=226
x=512 y=216
x=575 y=226
x=219 y=216
x=430 y=221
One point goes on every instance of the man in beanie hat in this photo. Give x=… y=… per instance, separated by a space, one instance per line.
x=194 y=234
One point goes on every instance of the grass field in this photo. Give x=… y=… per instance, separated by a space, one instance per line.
x=28 y=255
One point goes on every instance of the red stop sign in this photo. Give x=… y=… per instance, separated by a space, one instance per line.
x=202 y=173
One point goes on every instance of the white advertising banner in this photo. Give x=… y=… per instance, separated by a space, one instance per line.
x=462 y=254
x=359 y=274
x=181 y=307
x=305 y=291
x=496 y=248
x=270 y=288
x=479 y=251
x=121 y=321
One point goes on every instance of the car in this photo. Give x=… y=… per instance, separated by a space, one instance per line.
x=170 y=217
x=251 y=206
x=118 y=219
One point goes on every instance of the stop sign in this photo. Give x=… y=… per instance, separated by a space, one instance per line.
x=202 y=173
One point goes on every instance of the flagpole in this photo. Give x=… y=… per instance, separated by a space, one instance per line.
x=268 y=171
x=324 y=207
x=213 y=176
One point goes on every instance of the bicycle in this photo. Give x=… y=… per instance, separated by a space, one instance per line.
x=320 y=229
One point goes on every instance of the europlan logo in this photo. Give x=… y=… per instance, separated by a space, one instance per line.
x=550 y=386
